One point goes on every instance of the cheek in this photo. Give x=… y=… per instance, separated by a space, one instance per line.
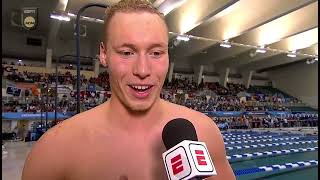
x=161 y=68
x=118 y=69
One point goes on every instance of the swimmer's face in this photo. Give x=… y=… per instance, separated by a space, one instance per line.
x=136 y=54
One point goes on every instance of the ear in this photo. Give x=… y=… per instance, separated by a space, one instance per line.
x=103 y=55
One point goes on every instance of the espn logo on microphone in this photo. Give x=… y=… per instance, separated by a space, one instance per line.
x=200 y=157
x=177 y=166
x=188 y=159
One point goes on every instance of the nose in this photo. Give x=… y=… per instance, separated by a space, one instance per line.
x=142 y=67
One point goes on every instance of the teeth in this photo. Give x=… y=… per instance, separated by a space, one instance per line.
x=140 y=87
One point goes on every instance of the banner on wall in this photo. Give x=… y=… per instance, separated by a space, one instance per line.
x=279 y=113
x=223 y=113
x=62 y=89
x=32 y=86
x=253 y=113
x=13 y=91
x=34 y=116
x=30 y=18
x=24 y=85
x=301 y=112
x=256 y=113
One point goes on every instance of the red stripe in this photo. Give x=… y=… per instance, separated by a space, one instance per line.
x=201 y=160
x=178 y=163
x=199 y=152
x=176 y=158
x=177 y=167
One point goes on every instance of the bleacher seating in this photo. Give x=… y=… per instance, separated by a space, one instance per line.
x=204 y=97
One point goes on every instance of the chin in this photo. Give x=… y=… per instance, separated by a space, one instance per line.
x=140 y=107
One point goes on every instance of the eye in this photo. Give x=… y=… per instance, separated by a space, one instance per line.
x=156 y=54
x=126 y=53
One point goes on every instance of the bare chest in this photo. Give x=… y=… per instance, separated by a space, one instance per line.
x=121 y=158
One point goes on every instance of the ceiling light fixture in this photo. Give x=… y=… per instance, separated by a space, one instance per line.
x=67 y=16
x=60 y=17
x=229 y=44
x=261 y=49
x=292 y=54
x=99 y=20
x=225 y=44
x=308 y=61
x=183 y=37
x=167 y=6
x=71 y=14
x=88 y=18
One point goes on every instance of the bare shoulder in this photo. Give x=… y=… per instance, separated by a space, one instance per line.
x=71 y=127
x=71 y=130
x=47 y=153
x=53 y=152
x=78 y=123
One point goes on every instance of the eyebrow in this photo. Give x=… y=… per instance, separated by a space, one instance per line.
x=134 y=47
x=155 y=45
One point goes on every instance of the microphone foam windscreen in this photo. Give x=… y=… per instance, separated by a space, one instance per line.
x=177 y=130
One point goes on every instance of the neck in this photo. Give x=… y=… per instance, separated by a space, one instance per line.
x=123 y=118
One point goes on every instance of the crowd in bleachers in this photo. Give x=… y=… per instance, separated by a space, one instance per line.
x=248 y=122
x=65 y=103
x=35 y=104
x=221 y=98
x=202 y=97
x=65 y=78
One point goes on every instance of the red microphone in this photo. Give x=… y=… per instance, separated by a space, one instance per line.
x=185 y=158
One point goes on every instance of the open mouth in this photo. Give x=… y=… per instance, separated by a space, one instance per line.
x=140 y=88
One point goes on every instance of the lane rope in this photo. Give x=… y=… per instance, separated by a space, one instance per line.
x=270 y=145
x=277 y=167
x=261 y=140
x=244 y=138
x=269 y=153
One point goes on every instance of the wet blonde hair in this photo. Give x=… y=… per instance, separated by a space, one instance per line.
x=128 y=6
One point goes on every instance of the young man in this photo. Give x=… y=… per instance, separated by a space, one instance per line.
x=121 y=138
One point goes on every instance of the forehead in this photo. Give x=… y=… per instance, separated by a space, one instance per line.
x=142 y=26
